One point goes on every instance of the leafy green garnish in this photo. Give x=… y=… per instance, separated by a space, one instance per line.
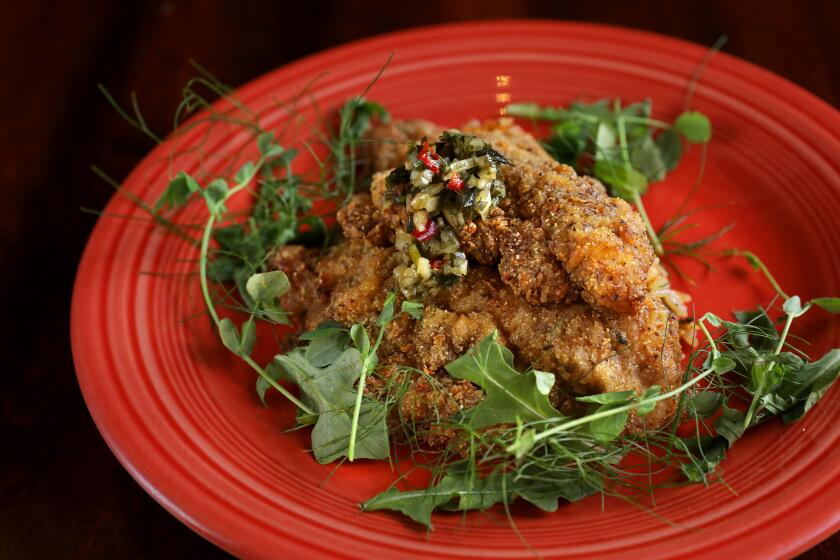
x=548 y=456
x=801 y=389
x=326 y=343
x=510 y=396
x=458 y=490
x=694 y=126
x=273 y=374
x=355 y=118
x=414 y=309
x=264 y=290
x=331 y=394
x=830 y=304
x=177 y=192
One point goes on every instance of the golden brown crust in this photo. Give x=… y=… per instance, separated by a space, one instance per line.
x=527 y=266
x=299 y=264
x=430 y=400
x=600 y=240
x=360 y=219
x=482 y=240
x=355 y=277
x=442 y=336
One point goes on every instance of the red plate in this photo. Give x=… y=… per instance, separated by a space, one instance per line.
x=181 y=414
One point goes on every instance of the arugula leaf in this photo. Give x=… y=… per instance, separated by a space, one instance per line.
x=730 y=425
x=646 y=156
x=324 y=350
x=706 y=404
x=461 y=490
x=766 y=374
x=755 y=329
x=545 y=493
x=610 y=427
x=706 y=453
x=805 y=387
x=417 y=504
x=330 y=392
x=567 y=142
x=510 y=395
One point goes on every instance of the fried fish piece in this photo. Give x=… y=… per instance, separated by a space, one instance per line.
x=599 y=240
x=560 y=270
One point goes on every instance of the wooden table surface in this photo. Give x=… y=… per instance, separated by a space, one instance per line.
x=63 y=494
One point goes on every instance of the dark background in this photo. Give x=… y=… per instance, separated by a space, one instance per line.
x=62 y=493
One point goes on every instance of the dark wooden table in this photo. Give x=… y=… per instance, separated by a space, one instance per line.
x=62 y=493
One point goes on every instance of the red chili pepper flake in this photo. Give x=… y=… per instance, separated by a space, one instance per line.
x=455 y=183
x=426 y=234
x=437 y=264
x=428 y=156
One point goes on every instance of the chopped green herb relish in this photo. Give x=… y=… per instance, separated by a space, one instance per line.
x=443 y=186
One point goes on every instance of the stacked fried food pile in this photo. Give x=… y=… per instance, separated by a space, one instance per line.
x=562 y=271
